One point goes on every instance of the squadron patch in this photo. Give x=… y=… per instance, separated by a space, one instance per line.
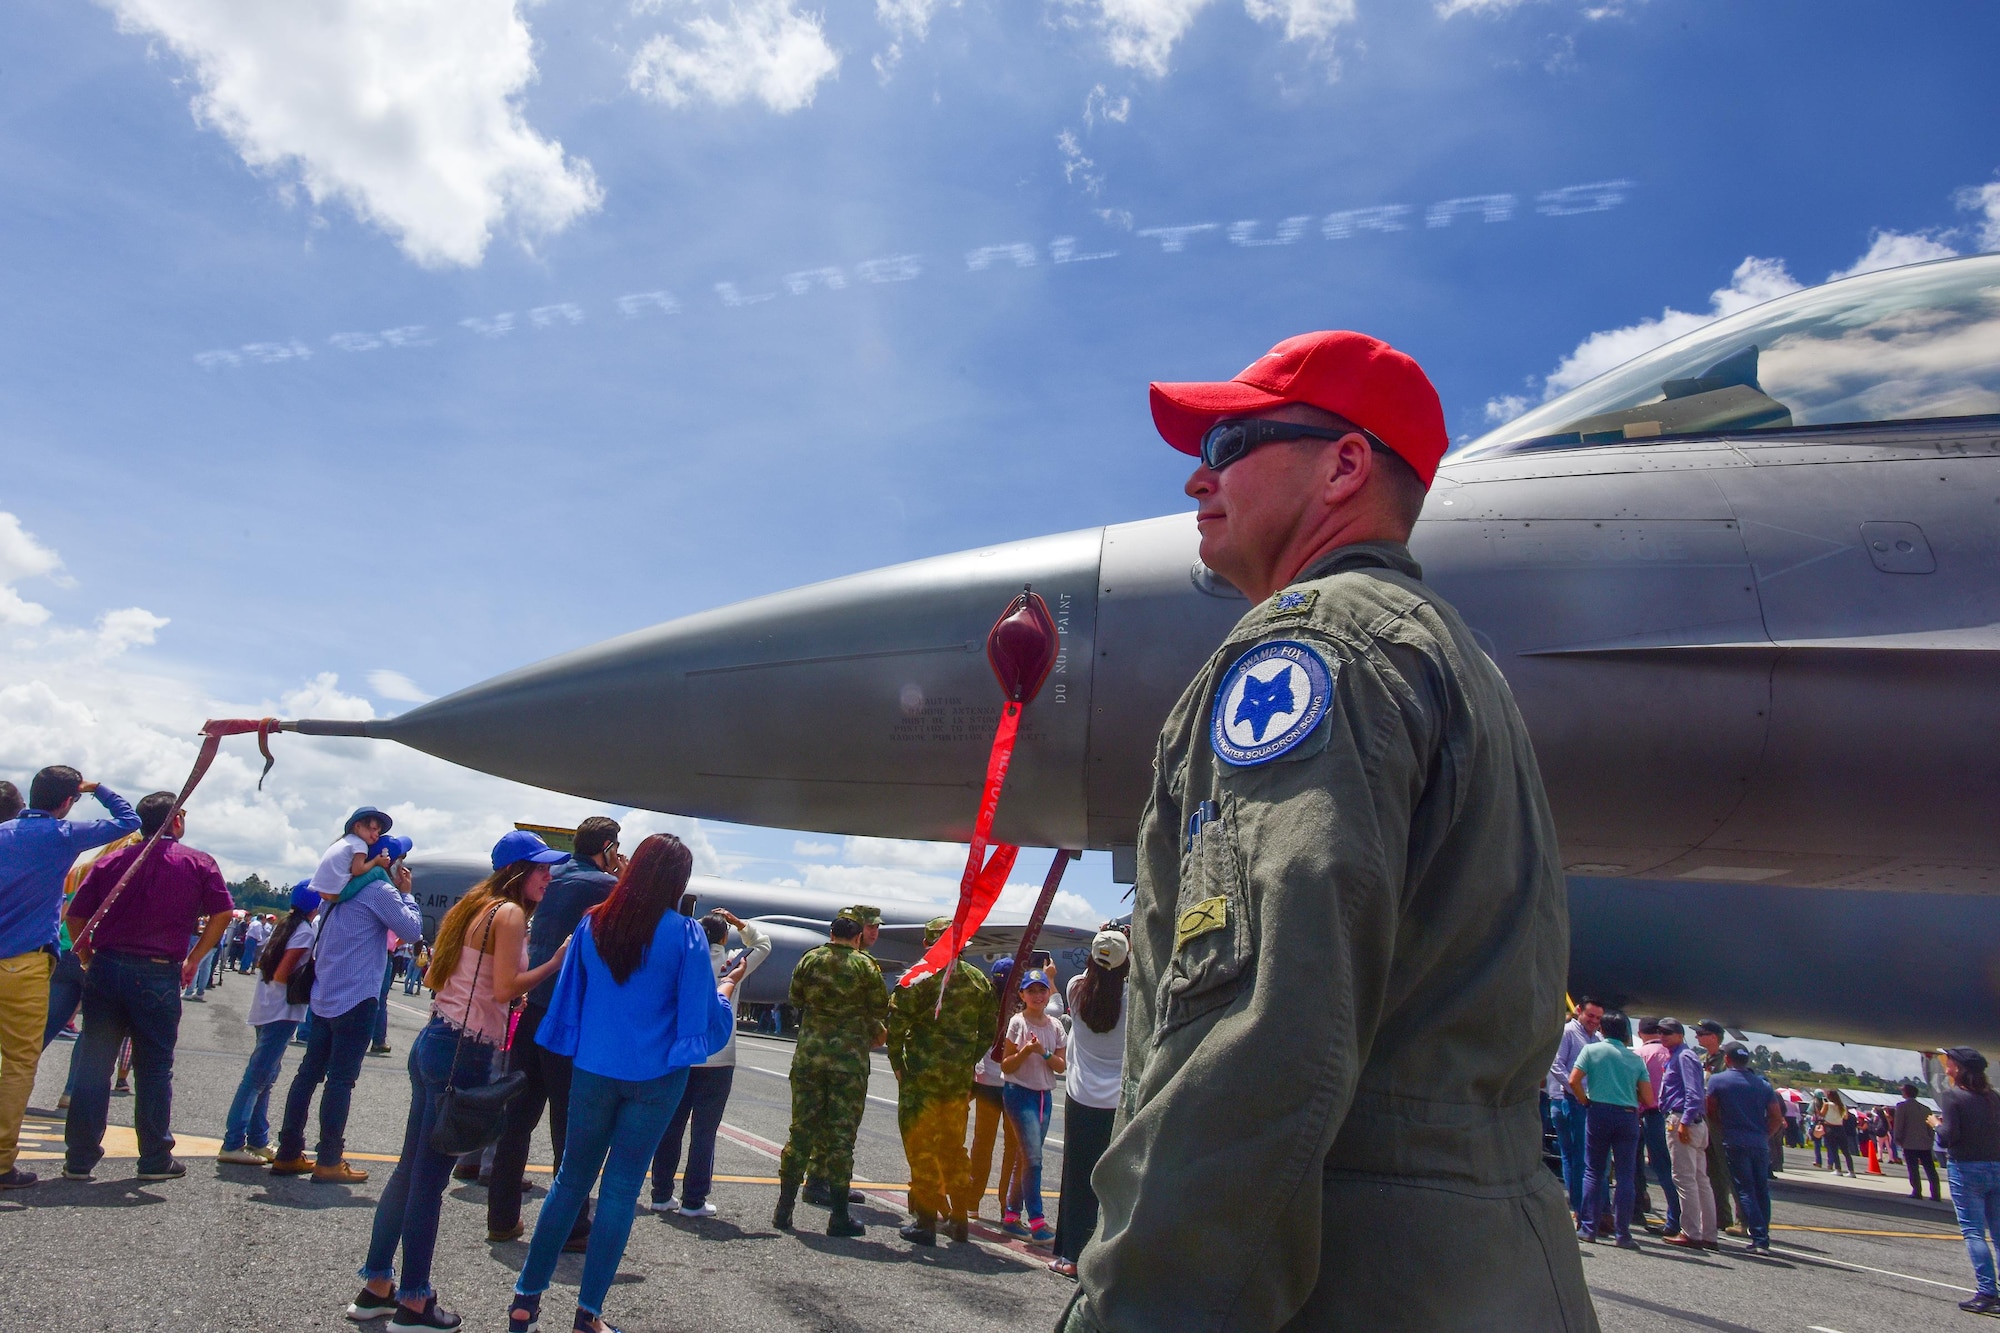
x=1293 y=601
x=1269 y=701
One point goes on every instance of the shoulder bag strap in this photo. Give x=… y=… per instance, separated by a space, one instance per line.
x=472 y=992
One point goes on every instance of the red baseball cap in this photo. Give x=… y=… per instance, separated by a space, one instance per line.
x=1363 y=379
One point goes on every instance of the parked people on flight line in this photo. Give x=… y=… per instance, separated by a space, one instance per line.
x=136 y=961
x=636 y=1005
x=990 y=1122
x=37 y=847
x=1708 y=1035
x=1612 y=1084
x=246 y=1135
x=1584 y=1027
x=1968 y=1129
x=1036 y=1052
x=1911 y=1124
x=939 y=1029
x=1091 y=1085
x=1683 y=1097
x=1745 y=1107
x=1654 y=1160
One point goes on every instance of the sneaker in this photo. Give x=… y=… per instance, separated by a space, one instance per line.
x=340 y=1173
x=1983 y=1303
x=1012 y=1226
x=1587 y=1237
x=501 y=1237
x=524 y=1314
x=1627 y=1243
x=699 y=1210
x=264 y=1151
x=173 y=1170
x=1042 y=1233
x=241 y=1157
x=68 y=1174
x=17 y=1179
x=670 y=1204
x=291 y=1166
x=432 y=1315
x=369 y=1306
x=121 y=1089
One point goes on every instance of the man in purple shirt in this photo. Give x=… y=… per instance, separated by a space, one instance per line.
x=136 y=962
x=36 y=849
x=1682 y=1101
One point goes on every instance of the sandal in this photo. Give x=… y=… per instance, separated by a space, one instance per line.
x=1063 y=1268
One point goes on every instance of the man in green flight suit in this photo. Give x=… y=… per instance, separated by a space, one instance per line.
x=842 y=1007
x=933 y=1055
x=870 y=920
x=1350 y=933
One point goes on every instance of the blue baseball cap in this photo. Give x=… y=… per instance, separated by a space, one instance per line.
x=303 y=897
x=521 y=845
x=397 y=848
x=1002 y=968
x=368 y=812
x=1035 y=977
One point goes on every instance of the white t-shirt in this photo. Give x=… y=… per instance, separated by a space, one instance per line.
x=255 y=934
x=1096 y=1059
x=332 y=876
x=988 y=1071
x=1034 y=1072
x=267 y=1004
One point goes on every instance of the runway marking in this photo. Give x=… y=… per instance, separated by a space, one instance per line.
x=1864 y=1268
x=1820 y=1328
x=1857 y=1231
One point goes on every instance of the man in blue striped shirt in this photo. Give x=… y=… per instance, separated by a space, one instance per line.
x=36 y=849
x=1682 y=1089
x=1568 y=1112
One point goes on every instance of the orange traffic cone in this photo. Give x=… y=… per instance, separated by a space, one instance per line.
x=1874 y=1159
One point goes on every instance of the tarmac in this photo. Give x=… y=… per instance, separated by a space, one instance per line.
x=232 y=1248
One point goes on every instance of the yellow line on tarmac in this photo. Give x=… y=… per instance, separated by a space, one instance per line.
x=1857 y=1231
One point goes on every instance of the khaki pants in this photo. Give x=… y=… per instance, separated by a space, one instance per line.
x=24 y=1009
x=1690 y=1161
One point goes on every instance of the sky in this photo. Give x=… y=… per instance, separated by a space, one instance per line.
x=359 y=351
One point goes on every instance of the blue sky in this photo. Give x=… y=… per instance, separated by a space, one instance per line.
x=320 y=393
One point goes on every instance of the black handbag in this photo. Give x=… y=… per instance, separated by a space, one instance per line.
x=471 y=1119
x=299 y=985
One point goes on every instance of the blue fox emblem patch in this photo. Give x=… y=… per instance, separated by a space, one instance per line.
x=1269 y=700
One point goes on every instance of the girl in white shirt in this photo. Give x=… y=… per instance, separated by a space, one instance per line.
x=1032 y=1059
x=1091 y=1088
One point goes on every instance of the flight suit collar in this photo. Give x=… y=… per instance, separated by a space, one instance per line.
x=1362 y=555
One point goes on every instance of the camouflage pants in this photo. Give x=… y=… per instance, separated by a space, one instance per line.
x=826 y=1114
x=933 y=1125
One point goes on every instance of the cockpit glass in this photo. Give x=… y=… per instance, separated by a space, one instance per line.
x=1900 y=345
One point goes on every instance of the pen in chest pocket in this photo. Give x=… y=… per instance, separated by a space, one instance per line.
x=1204 y=814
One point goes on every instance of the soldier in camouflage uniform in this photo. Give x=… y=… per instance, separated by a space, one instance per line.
x=933 y=1054
x=842 y=1005
x=870 y=921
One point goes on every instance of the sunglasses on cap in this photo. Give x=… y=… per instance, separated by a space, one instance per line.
x=1226 y=441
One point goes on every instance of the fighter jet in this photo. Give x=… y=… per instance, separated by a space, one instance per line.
x=796 y=919
x=1744 y=588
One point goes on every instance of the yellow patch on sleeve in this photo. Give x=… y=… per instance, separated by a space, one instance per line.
x=1208 y=915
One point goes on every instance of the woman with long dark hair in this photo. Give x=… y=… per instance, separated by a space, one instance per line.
x=1838 y=1117
x=635 y=1007
x=479 y=969
x=246 y=1139
x=1968 y=1126
x=1090 y=1087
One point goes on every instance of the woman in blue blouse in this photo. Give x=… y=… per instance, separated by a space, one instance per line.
x=635 y=1006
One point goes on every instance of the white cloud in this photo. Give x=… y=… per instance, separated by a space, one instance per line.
x=396 y=686
x=78 y=696
x=765 y=49
x=1077 y=167
x=1101 y=105
x=804 y=847
x=1893 y=249
x=22 y=557
x=1754 y=282
x=1451 y=8
x=1984 y=200
x=407 y=113
x=909 y=18
x=1505 y=408
x=1313 y=21
x=1140 y=34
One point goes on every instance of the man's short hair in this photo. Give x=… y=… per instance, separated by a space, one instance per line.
x=1583 y=1002
x=715 y=928
x=1618 y=1028
x=54 y=785
x=153 y=811
x=593 y=835
x=11 y=803
x=1649 y=1027
x=1908 y=1089
x=846 y=928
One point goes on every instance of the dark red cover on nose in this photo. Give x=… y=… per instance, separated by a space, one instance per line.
x=1021 y=647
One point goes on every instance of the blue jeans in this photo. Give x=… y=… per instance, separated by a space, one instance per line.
x=1975 y=1193
x=614 y=1125
x=413 y=978
x=382 y=1001
x=1653 y=1138
x=334 y=1051
x=1028 y=1111
x=407 y=1213
x=65 y=995
x=703 y=1102
x=125 y=995
x=249 y=1122
x=1610 y=1133
x=1569 y=1120
x=1750 y=1172
x=200 y=982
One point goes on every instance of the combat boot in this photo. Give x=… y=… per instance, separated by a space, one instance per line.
x=922 y=1229
x=781 y=1216
x=816 y=1193
x=838 y=1223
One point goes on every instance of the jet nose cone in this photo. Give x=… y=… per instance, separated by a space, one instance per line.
x=864 y=703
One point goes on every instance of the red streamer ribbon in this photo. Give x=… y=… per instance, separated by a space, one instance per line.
x=212 y=733
x=979 y=887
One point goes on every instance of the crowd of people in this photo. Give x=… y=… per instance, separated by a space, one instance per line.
x=565 y=983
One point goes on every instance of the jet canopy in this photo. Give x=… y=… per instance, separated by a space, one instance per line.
x=1904 y=344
